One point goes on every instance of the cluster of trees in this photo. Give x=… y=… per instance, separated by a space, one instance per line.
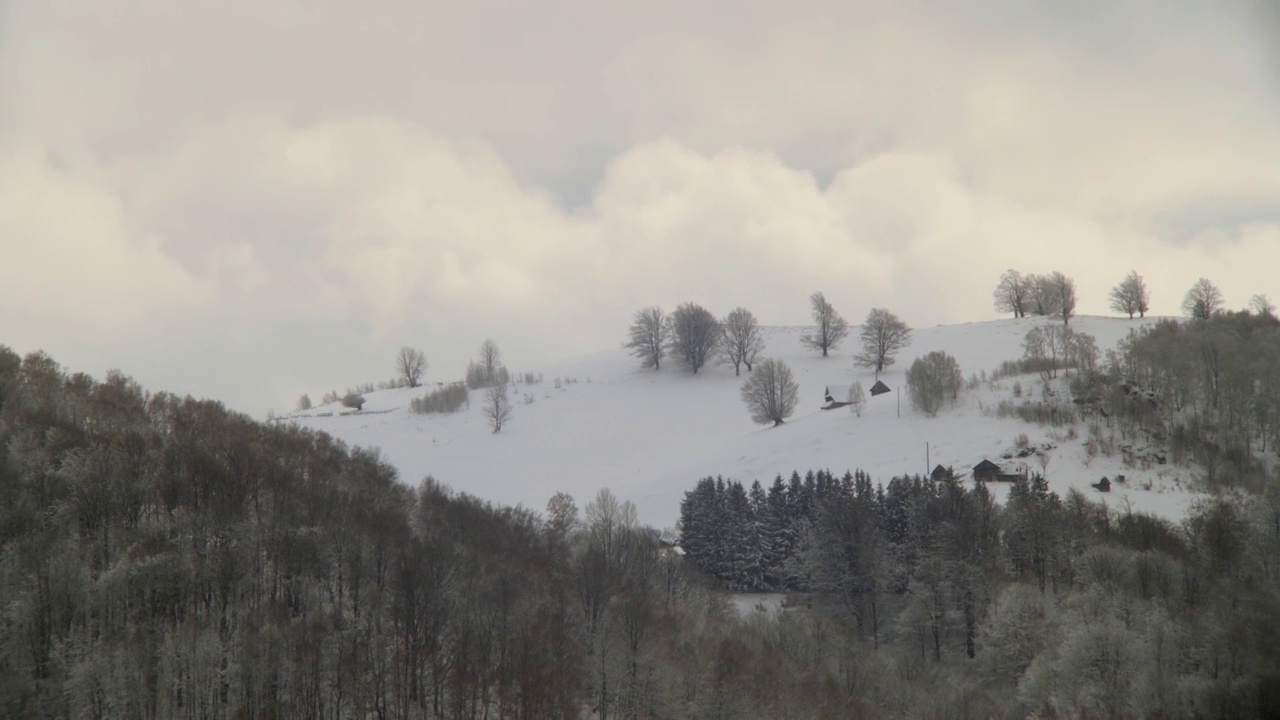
x=1045 y=606
x=165 y=557
x=1055 y=294
x=1210 y=388
x=694 y=336
x=1051 y=294
x=1049 y=348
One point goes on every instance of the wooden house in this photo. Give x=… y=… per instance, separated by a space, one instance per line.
x=986 y=470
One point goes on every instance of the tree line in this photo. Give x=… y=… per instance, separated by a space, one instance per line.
x=1054 y=294
x=1045 y=605
x=1208 y=388
x=163 y=557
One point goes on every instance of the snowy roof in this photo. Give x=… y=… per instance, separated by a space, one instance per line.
x=837 y=392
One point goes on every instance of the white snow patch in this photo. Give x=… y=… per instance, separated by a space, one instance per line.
x=649 y=436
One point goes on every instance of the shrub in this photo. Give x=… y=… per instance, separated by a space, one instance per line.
x=1038 y=412
x=353 y=400
x=448 y=399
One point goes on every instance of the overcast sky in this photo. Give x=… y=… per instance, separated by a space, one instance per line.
x=251 y=199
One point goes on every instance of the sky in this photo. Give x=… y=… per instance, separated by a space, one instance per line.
x=252 y=199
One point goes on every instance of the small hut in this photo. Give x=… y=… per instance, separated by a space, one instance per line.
x=986 y=470
x=879 y=388
x=836 y=396
x=1103 y=485
x=940 y=473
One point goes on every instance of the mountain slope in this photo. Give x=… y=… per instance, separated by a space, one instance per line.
x=650 y=435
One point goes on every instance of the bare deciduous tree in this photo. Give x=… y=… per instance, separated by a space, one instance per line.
x=1043 y=299
x=934 y=380
x=1046 y=345
x=857 y=399
x=742 y=340
x=1131 y=295
x=695 y=334
x=830 y=328
x=488 y=370
x=1011 y=295
x=648 y=337
x=304 y=402
x=410 y=364
x=490 y=358
x=1202 y=300
x=1260 y=304
x=883 y=334
x=771 y=393
x=497 y=407
x=1063 y=291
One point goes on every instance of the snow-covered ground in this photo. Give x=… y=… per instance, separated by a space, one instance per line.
x=649 y=436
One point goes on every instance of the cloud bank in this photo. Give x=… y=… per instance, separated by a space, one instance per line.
x=249 y=200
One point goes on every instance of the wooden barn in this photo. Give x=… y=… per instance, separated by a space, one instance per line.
x=987 y=470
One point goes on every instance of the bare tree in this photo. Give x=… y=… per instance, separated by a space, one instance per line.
x=695 y=334
x=883 y=334
x=487 y=370
x=304 y=402
x=490 y=359
x=1260 y=304
x=1063 y=291
x=1011 y=295
x=648 y=336
x=1043 y=299
x=410 y=364
x=1046 y=345
x=1202 y=300
x=771 y=393
x=562 y=516
x=742 y=340
x=1131 y=295
x=497 y=408
x=857 y=399
x=831 y=326
x=934 y=380
x=353 y=400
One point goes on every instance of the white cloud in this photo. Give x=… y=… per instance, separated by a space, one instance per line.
x=256 y=199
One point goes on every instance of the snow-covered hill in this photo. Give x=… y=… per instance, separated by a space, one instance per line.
x=650 y=435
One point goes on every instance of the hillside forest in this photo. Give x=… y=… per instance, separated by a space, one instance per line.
x=164 y=557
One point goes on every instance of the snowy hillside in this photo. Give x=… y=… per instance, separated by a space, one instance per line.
x=650 y=435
